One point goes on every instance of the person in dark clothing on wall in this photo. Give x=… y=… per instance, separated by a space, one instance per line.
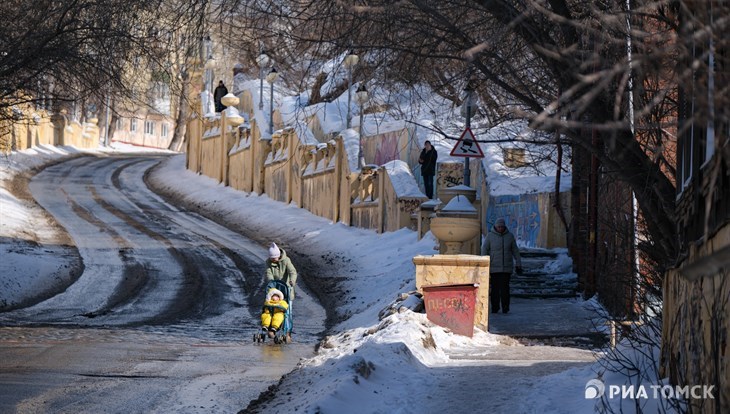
x=220 y=92
x=427 y=159
x=501 y=247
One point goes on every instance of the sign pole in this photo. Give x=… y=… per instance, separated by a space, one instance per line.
x=467 y=171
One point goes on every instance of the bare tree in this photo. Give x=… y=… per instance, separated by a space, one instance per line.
x=606 y=62
x=67 y=53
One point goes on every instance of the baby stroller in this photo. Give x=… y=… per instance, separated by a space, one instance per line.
x=283 y=335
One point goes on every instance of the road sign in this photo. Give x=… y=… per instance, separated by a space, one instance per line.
x=467 y=146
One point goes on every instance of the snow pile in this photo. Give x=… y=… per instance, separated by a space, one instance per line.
x=404 y=183
x=560 y=265
x=382 y=369
x=26 y=233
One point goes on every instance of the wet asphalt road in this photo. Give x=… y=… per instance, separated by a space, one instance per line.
x=163 y=315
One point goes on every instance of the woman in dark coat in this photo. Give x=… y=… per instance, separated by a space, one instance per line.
x=427 y=159
x=218 y=95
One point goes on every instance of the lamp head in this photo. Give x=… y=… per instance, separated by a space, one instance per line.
x=271 y=77
x=230 y=100
x=262 y=59
x=362 y=94
x=351 y=60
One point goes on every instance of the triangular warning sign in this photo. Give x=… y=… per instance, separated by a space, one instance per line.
x=467 y=146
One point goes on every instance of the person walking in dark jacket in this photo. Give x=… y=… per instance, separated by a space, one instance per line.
x=220 y=92
x=427 y=159
x=501 y=247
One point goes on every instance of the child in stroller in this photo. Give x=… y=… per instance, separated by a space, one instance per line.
x=276 y=314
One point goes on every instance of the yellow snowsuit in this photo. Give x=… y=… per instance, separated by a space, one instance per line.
x=272 y=314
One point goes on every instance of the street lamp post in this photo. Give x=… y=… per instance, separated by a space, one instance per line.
x=229 y=117
x=210 y=105
x=350 y=61
x=209 y=63
x=362 y=98
x=271 y=78
x=263 y=61
x=469 y=102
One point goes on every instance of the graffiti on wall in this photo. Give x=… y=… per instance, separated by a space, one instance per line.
x=387 y=148
x=450 y=174
x=409 y=205
x=520 y=213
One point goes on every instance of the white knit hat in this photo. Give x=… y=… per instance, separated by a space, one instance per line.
x=273 y=292
x=274 y=252
x=500 y=221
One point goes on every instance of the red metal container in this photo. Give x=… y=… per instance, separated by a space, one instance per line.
x=451 y=306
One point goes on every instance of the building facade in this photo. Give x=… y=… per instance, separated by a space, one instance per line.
x=696 y=306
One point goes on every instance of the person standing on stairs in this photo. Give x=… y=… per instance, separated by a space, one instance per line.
x=428 y=159
x=501 y=247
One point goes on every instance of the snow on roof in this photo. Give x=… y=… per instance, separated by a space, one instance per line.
x=459 y=203
x=404 y=183
x=504 y=180
x=305 y=135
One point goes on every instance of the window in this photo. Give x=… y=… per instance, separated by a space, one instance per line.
x=120 y=124
x=163 y=130
x=162 y=91
x=514 y=157
x=710 y=137
x=149 y=127
x=133 y=125
x=692 y=122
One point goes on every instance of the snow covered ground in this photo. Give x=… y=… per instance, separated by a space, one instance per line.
x=400 y=363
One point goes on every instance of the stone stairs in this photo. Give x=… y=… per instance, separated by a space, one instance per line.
x=546 y=274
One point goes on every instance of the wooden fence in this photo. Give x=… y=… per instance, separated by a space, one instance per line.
x=696 y=322
x=287 y=167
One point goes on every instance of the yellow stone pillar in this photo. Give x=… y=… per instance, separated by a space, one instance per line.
x=457 y=269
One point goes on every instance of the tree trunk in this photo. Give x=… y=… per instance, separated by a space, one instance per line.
x=178 y=136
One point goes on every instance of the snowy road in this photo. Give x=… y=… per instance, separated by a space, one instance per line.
x=162 y=316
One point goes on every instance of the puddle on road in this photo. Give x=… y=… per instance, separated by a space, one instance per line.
x=94 y=370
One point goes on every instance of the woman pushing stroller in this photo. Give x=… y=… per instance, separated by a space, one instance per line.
x=280 y=267
x=276 y=316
